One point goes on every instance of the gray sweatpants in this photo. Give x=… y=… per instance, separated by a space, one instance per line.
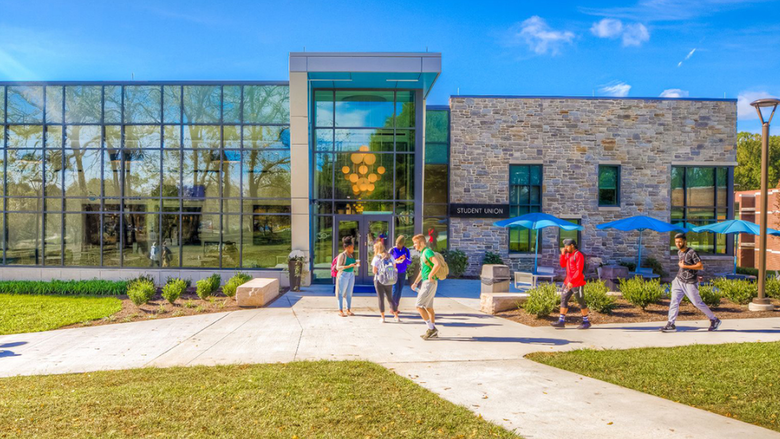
x=680 y=289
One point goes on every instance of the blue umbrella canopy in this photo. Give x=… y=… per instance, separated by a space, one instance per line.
x=684 y=226
x=734 y=226
x=641 y=223
x=536 y=221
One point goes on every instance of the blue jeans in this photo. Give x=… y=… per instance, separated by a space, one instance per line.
x=345 y=283
x=398 y=289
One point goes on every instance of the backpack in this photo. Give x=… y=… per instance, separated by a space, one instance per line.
x=333 y=271
x=387 y=274
x=444 y=269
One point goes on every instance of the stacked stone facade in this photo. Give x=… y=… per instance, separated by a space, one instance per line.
x=570 y=137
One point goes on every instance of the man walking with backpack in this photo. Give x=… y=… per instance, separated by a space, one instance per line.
x=430 y=266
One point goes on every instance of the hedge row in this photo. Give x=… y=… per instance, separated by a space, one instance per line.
x=93 y=287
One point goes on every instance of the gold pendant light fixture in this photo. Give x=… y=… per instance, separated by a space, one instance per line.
x=361 y=174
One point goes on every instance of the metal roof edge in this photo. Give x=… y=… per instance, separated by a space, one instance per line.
x=592 y=98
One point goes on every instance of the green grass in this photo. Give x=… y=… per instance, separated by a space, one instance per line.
x=349 y=399
x=736 y=380
x=24 y=313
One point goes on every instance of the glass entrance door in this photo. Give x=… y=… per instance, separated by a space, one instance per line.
x=365 y=230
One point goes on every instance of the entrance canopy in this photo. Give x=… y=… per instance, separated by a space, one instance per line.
x=368 y=70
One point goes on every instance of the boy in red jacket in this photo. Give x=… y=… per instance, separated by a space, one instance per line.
x=574 y=284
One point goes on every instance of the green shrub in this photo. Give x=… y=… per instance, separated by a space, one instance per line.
x=203 y=288
x=653 y=263
x=187 y=281
x=630 y=265
x=457 y=261
x=710 y=296
x=492 y=258
x=215 y=281
x=141 y=277
x=413 y=269
x=542 y=301
x=773 y=288
x=93 y=287
x=230 y=287
x=174 y=289
x=141 y=291
x=597 y=298
x=754 y=271
x=640 y=292
x=738 y=291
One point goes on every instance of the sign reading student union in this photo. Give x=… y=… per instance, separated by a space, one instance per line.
x=479 y=210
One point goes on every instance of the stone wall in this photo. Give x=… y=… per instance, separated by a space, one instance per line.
x=570 y=137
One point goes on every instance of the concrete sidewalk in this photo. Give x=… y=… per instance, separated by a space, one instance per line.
x=478 y=361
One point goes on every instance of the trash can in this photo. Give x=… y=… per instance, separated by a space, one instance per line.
x=495 y=279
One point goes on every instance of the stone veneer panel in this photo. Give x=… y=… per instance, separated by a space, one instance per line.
x=569 y=137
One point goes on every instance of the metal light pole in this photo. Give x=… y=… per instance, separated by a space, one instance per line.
x=761 y=303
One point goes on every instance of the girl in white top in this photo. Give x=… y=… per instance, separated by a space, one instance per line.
x=383 y=292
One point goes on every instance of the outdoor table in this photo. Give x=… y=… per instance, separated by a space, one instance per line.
x=534 y=278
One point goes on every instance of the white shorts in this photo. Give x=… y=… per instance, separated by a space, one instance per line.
x=426 y=294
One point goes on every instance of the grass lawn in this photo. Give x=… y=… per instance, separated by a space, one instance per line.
x=346 y=399
x=23 y=313
x=737 y=380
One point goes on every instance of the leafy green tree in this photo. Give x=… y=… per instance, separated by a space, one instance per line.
x=747 y=176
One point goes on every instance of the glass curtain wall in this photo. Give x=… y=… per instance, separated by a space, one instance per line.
x=700 y=197
x=363 y=162
x=145 y=175
x=436 y=175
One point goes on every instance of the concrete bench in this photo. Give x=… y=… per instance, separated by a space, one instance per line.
x=493 y=303
x=257 y=292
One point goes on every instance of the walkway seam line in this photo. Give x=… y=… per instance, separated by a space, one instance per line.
x=182 y=342
x=300 y=334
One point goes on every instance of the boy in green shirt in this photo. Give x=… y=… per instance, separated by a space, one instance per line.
x=429 y=266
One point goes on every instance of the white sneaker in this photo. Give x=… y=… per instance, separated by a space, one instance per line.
x=397 y=319
x=382 y=319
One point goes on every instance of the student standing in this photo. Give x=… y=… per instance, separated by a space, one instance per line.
x=345 y=280
x=686 y=283
x=402 y=260
x=429 y=265
x=380 y=264
x=574 y=284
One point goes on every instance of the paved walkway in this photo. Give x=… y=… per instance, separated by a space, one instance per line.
x=478 y=361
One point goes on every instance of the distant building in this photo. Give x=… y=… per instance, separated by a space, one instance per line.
x=748 y=209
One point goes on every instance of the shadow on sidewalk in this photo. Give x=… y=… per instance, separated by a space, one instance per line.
x=688 y=329
x=524 y=340
x=4 y=353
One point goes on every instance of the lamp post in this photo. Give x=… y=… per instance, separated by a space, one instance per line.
x=761 y=303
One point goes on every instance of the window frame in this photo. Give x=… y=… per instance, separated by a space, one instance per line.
x=617 y=189
x=530 y=206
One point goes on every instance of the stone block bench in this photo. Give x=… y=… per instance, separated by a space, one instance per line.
x=494 y=303
x=257 y=292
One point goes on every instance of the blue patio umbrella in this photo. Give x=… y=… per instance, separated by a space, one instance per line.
x=537 y=221
x=641 y=223
x=733 y=227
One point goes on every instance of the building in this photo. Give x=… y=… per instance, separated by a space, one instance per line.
x=113 y=179
x=749 y=209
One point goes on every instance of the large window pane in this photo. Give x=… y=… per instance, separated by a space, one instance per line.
x=231 y=240
x=202 y=137
x=437 y=126
x=52 y=243
x=25 y=173
x=404 y=140
x=143 y=103
x=171 y=224
x=436 y=184
x=700 y=183
x=113 y=104
x=23 y=234
x=25 y=136
x=142 y=244
x=81 y=137
x=83 y=104
x=82 y=173
x=365 y=176
x=142 y=137
x=360 y=139
x=171 y=173
x=53 y=173
x=404 y=109
x=323 y=175
x=268 y=104
x=200 y=240
x=323 y=139
x=2 y=107
x=202 y=104
x=678 y=180
x=172 y=104
x=266 y=174
x=54 y=104
x=110 y=234
x=323 y=109
x=112 y=172
x=231 y=136
x=172 y=136
x=404 y=177
x=231 y=105
x=53 y=136
x=200 y=173
x=25 y=104
x=82 y=239
x=722 y=179
x=360 y=108
x=609 y=185
x=267 y=137
x=231 y=173
x=323 y=247
x=525 y=183
x=266 y=241
x=142 y=173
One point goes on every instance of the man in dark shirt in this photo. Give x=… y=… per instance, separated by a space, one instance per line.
x=687 y=284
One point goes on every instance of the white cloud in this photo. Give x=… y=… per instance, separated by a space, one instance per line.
x=619 y=89
x=635 y=34
x=744 y=110
x=687 y=57
x=539 y=36
x=607 y=28
x=667 y=10
x=674 y=93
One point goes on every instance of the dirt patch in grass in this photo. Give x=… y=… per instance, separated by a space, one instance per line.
x=188 y=304
x=627 y=313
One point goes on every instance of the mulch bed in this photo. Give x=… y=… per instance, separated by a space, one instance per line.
x=627 y=313
x=188 y=304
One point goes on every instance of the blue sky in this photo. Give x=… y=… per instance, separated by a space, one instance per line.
x=695 y=48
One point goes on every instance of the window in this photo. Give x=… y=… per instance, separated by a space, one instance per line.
x=525 y=196
x=609 y=185
x=700 y=197
x=570 y=234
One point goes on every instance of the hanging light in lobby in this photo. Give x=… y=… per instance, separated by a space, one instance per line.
x=361 y=174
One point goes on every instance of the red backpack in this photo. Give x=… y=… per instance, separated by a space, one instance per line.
x=333 y=271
